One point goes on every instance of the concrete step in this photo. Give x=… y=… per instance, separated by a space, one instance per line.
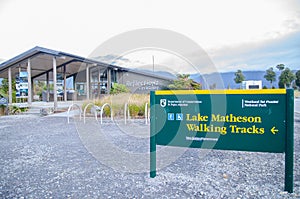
x=32 y=111
x=46 y=108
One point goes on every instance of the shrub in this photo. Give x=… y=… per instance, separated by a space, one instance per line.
x=134 y=110
x=118 y=88
x=106 y=111
x=14 y=110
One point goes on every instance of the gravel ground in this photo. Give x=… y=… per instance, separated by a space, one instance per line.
x=44 y=157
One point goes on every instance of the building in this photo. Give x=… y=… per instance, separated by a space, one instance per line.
x=252 y=84
x=90 y=78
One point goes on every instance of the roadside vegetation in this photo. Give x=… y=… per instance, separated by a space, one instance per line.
x=286 y=79
x=120 y=94
x=136 y=104
x=184 y=82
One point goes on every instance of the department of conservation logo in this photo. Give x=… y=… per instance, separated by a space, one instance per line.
x=163 y=103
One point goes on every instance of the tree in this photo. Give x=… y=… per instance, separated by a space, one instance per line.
x=270 y=76
x=280 y=67
x=39 y=87
x=298 y=78
x=213 y=86
x=239 y=77
x=184 y=82
x=4 y=88
x=286 y=77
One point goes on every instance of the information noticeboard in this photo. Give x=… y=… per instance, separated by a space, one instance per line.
x=244 y=120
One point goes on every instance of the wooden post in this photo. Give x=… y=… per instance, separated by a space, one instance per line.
x=108 y=80
x=48 y=87
x=29 y=99
x=9 y=86
x=54 y=84
x=65 y=84
x=87 y=82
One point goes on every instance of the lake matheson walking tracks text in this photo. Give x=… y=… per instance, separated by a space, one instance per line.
x=233 y=128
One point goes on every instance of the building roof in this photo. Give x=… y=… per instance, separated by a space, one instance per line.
x=41 y=63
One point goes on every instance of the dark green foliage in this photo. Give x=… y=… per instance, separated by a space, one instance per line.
x=286 y=78
x=4 y=89
x=183 y=82
x=239 y=77
x=4 y=86
x=270 y=76
x=280 y=67
x=136 y=110
x=118 y=88
x=298 y=78
x=280 y=84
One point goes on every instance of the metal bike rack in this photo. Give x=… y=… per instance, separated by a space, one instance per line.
x=146 y=113
x=126 y=113
x=101 y=112
x=85 y=108
x=69 y=109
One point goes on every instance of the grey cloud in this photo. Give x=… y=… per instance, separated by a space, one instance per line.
x=259 y=55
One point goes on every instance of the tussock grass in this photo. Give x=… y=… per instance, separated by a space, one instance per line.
x=136 y=104
x=297 y=94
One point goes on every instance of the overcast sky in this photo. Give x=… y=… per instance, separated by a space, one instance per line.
x=236 y=34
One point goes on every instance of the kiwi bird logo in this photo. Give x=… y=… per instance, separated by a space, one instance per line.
x=163 y=102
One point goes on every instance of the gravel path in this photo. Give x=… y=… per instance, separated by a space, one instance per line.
x=44 y=157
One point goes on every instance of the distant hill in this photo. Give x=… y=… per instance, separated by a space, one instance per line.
x=221 y=80
x=225 y=80
x=164 y=74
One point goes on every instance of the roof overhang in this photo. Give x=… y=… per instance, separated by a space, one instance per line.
x=41 y=63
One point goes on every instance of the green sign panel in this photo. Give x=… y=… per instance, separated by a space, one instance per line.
x=245 y=120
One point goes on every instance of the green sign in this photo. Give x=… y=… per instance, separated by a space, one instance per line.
x=245 y=120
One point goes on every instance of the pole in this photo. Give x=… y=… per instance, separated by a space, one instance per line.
x=289 y=147
x=153 y=63
x=152 y=136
